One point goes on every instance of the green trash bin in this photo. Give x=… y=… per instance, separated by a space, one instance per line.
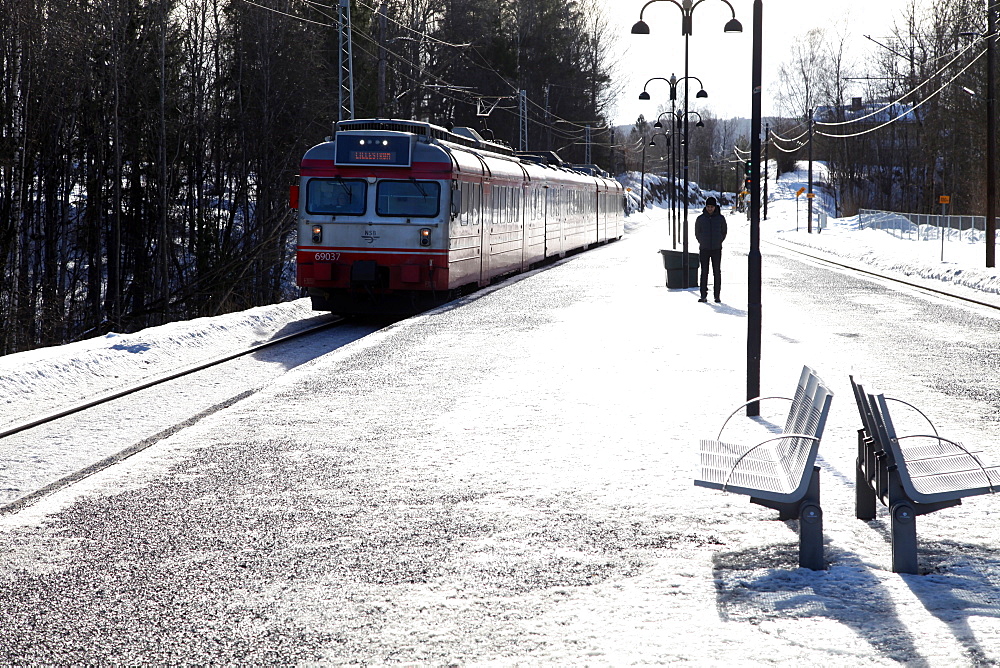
x=673 y=263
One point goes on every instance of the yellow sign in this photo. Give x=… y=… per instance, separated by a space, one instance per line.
x=799 y=191
x=811 y=195
x=944 y=199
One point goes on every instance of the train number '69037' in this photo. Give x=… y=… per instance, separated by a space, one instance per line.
x=326 y=257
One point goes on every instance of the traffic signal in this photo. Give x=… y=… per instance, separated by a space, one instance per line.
x=747 y=174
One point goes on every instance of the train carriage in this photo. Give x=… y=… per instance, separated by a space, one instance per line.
x=397 y=216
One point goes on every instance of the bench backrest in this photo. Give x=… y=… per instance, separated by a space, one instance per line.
x=867 y=408
x=807 y=415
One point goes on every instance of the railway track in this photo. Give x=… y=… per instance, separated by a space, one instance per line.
x=104 y=460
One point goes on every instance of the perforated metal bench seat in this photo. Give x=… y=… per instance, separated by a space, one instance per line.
x=952 y=475
x=778 y=472
x=763 y=472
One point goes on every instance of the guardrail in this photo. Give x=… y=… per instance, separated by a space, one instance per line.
x=921 y=225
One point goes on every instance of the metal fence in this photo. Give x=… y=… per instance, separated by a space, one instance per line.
x=922 y=225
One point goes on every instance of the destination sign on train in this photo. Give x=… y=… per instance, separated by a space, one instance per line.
x=373 y=150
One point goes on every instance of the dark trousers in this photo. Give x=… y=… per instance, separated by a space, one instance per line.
x=716 y=257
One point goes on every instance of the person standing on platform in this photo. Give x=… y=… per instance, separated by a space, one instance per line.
x=710 y=231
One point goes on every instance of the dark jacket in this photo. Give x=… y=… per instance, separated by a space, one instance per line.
x=710 y=230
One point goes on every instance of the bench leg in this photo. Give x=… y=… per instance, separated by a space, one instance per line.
x=864 y=495
x=811 y=527
x=903 y=529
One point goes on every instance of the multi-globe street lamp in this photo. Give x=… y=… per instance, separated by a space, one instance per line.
x=687 y=8
x=678 y=121
x=673 y=81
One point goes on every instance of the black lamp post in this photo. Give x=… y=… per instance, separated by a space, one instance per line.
x=652 y=142
x=687 y=8
x=991 y=140
x=672 y=171
x=642 y=183
x=754 y=258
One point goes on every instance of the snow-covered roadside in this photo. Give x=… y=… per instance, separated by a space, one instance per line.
x=40 y=381
x=964 y=256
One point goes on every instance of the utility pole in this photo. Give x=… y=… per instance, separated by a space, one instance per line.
x=767 y=144
x=614 y=154
x=809 y=195
x=548 y=118
x=380 y=85
x=523 y=110
x=345 y=71
x=991 y=139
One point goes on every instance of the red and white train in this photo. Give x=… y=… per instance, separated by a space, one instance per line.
x=397 y=216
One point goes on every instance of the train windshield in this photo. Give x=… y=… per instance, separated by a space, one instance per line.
x=340 y=197
x=408 y=198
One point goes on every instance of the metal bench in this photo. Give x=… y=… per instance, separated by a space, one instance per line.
x=779 y=472
x=912 y=475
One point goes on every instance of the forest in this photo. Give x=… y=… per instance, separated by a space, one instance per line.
x=147 y=146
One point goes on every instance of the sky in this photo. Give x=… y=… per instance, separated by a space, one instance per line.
x=720 y=594
x=722 y=60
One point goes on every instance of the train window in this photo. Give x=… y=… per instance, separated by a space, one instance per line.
x=339 y=197
x=466 y=203
x=408 y=198
x=476 y=203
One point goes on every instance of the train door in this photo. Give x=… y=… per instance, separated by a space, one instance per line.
x=486 y=210
x=554 y=210
x=523 y=217
x=601 y=218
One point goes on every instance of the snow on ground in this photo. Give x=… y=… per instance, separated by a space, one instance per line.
x=40 y=381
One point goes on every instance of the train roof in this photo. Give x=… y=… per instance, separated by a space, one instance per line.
x=466 y=138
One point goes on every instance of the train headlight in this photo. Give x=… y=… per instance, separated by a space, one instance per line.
x=317 y=233
x=425 y=236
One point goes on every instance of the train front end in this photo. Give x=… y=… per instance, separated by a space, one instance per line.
x=374 y=208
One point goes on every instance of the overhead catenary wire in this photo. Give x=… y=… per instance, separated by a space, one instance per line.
x=905 y=95
x=407 y=28
x=291 y=16
x=789 y=139
x=909 y=111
